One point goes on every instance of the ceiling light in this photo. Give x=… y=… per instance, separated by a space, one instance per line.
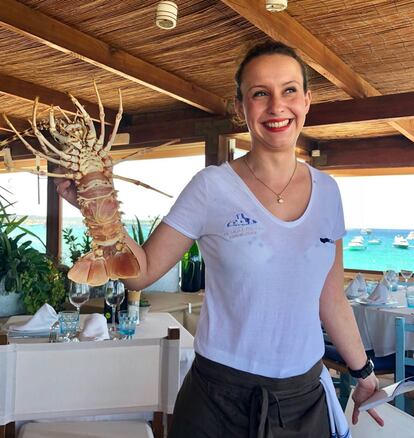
x=166 y=15
x=276 y=5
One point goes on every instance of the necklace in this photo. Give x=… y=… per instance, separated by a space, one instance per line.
x=279 y=199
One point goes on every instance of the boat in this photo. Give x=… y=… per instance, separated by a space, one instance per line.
x=366 y=231
x=400 y=242
x=374 y=241
x=410 y=235
x=357 y=243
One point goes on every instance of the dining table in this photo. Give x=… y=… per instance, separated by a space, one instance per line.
x=376 y=322
x=155 y=325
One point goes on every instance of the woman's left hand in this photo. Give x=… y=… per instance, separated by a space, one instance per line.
x=364 y=389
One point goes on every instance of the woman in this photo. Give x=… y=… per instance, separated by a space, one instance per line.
x=270 y=231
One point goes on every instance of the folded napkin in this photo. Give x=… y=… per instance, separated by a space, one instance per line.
x=357 y=287
x=95 y=328
x=380 y=294
x=42 y=320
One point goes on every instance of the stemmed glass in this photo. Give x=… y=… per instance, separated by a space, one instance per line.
x=78 y=295
x=391 y=278
x=114 y=296
x=406 y=274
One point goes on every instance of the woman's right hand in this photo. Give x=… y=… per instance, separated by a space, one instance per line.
x=66 y=189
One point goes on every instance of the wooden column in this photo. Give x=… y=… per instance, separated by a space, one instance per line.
x=53 y=219
x=217 y=149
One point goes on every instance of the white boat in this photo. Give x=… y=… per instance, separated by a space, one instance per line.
x=374 y=241
x=366 y=231
x=357 y=243
x=400 y=242
x=410 y=235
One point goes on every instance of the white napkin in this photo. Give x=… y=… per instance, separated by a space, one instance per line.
x=380 y=294
x=357 y=287
x=95 y=328
x=42 y=320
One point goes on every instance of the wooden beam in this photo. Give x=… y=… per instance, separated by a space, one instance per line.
x=46 y=30
x=377 y=108
x=20 y=124
x=29 y=91
x=370 y=153
x=281 y=26
x=185 y=129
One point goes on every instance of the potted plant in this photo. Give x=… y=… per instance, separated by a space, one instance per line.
x=169 y=281
x=28 y=278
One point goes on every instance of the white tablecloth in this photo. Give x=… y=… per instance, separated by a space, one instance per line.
x=377 y=324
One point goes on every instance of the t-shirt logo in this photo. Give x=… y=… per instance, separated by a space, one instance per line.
x=241 y=220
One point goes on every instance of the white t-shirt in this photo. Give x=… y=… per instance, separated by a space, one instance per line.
x=264 y=276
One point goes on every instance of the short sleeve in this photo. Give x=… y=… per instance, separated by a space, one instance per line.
x=339 y=225
x=188 y=215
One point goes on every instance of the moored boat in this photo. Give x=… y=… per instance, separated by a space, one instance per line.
x=400 y=242
x=374 y=241
x=357 y=244
x=410 y=235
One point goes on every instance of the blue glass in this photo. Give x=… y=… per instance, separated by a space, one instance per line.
x=127 y=323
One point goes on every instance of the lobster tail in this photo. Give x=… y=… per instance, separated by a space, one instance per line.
x=97 y=270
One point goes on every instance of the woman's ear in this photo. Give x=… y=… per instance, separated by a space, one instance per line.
x=308 y=100
x=238 y=107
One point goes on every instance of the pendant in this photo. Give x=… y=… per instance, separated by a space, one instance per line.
x=280 y=200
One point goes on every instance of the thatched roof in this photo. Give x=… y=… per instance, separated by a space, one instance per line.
x=355 y=50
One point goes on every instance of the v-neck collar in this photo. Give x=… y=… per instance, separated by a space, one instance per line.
x=247 y=190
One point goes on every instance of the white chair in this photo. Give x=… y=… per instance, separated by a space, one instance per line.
x=69 y=380
x=397 y=423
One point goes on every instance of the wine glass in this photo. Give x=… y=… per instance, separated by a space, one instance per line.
x=391 y=278
x=78 y=295
x=114 y=295
x=406 y=274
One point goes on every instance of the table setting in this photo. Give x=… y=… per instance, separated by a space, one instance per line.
x=376 y=305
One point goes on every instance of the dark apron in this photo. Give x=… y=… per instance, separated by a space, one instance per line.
x=216 y=401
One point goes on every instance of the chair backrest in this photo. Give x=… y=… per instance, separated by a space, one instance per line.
x=401 y=360
x=91 y=378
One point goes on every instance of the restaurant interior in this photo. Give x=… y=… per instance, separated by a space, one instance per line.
x=174 y=63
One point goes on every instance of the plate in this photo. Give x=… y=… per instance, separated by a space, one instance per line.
x=28 y=333
x=367 y=302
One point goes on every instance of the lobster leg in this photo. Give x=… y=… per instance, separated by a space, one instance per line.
x=53 y=175
x=118 y=118
x=91 y=136
x=140 y=183
x=34 y=151
x=100 y=142
x=62 y=139
x=144 y=151
x=40 y=137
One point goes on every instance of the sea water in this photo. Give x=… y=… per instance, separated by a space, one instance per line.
x=78 y=232
x=373 y=257
x=379 y=257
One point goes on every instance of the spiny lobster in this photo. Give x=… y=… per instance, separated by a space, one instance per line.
x=87 y=162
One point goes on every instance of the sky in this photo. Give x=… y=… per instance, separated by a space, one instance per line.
x=369 y=202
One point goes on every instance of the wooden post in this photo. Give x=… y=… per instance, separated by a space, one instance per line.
x=53 y=218
x=217 y=149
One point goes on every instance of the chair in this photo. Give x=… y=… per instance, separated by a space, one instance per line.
x=67 y=380
x=397 y=423
x=404 y=366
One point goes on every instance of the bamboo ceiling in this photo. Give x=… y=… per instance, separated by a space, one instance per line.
x=356 y=50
